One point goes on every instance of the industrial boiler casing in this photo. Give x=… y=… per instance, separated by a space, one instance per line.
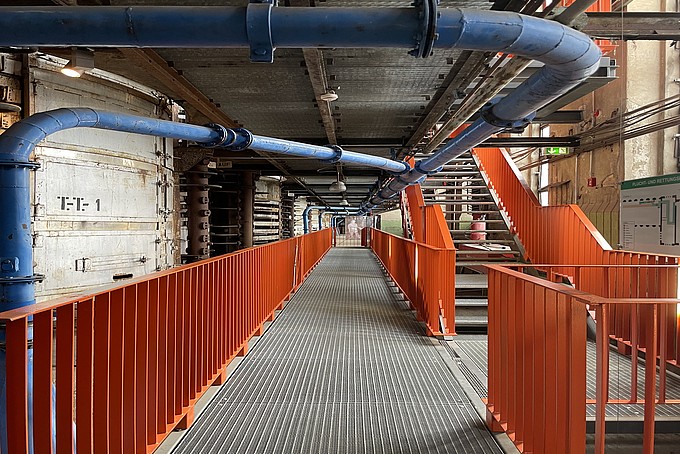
x=102 y=200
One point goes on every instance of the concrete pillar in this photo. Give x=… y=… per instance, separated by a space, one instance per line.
x=248 y=180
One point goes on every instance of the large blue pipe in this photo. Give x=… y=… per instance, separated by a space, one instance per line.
x=569 y=56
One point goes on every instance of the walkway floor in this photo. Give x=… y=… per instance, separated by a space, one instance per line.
x=345 y=368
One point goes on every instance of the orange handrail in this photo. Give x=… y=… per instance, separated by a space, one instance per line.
x=146 y=350
x=425 y=274
x=559 y=234
x=564 y=235
x=537 y=356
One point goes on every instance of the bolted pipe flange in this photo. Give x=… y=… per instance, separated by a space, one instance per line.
x=427 y=35
x=259 y=28
x=338 y=154
x=516 y=126
x=243 y=133
x=426 y=173
x=407 y=168
x=225 y=138
x=26 y=164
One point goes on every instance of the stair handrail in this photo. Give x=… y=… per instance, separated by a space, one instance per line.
x=581 y=242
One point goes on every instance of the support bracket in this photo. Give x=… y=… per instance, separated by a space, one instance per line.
x=259 y=28
x=338 y=154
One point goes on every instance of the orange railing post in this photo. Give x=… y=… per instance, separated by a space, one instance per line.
x=537 y=360
x=146 y=350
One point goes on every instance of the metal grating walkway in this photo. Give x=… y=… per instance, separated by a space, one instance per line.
x=345 y=368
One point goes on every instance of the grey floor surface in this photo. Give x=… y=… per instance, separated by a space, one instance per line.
x=345 y=368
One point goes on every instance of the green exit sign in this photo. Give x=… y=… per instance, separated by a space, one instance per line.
x=556 y=150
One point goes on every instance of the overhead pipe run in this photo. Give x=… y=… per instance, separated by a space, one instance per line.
x=569 y=56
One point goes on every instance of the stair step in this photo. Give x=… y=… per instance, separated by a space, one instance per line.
x=426 y=186
x=473 y=302
x=457 y=196
x=450 y=179
x=471 y=211
x=488 y=221
x=468 y=202
x=472 y=281
x=494 y=241
x=471 y=321
x=474 y=252
x=487 y=231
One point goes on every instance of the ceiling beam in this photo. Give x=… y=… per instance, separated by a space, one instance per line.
x=156 y=66
x=634 y=25
x=316 y=68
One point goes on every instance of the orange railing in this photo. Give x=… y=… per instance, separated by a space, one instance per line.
x=427 y=221
x=425 y=274
x=146 y=351
x=565 y=235
x=537 y=356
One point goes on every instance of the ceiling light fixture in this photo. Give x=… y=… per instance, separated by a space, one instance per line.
x=329 y=96
x=337 y=186
x=81 y=61
x=344 y=202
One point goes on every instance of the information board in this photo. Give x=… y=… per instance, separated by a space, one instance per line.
x=649 y=214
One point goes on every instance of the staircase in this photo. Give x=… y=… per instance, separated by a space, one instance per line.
x=480 y=233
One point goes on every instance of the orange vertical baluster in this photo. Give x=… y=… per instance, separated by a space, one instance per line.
x=116 y=350
x=65 y=378
x=85 y=375
x=17 y=385
x=141 y=365
x=42 y=382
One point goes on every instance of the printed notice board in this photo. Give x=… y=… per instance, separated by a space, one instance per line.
x=649 y=214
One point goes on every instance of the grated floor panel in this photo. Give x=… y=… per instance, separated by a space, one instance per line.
x=475 y=348
x=345 y=368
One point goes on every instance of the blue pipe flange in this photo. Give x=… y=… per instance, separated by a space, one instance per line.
x=10 y=280
x=406 y=170
x=427 y=34
x=28 y=164
x=427 y=173
x=244 y=133
x=259 y=29
x=516 y=126
x=226 y=137
x=338 y=154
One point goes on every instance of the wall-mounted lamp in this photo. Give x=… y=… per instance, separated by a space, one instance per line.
x=81 y=61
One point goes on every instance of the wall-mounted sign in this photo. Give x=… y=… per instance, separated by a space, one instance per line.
x=649 y=214
x=553 y=151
